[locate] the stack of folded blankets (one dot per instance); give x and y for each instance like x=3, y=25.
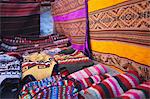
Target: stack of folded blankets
x=10, y=75
x=39, y=65
x=73, y=61
x=94, y=82
x=35, y=43
x=10, y=67
x=102, y=85
x=50, y=88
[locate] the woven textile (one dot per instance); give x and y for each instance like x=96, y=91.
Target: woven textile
x=20, y=18
x=120, y=34
x=10, y=67
x=49, y=88
x=88, y=82
x=87, y=72
x=39, y=65
x=70, y=19
x=141, y=91
x=34, y=43
x=111, y=87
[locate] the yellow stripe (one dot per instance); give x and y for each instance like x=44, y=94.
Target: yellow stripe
x=99, y=4
x=117, y=69
x=137, y=53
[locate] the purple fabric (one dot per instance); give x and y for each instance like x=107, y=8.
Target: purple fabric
x=71, y=16
x=78, y=47
x=74, y=23
x=87, y=49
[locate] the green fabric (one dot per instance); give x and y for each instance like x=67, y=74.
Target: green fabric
x=67, y=51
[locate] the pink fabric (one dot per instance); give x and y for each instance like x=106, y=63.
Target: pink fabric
x=71, y=16
x=136, y=96
x=115, y=86
x=133, y=79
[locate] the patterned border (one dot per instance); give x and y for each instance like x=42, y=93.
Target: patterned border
x=125, y=22
x=122, y=63
x=67, y=6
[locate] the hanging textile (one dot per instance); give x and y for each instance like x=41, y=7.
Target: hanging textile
x=120, y=33
x=70, y=18
x=21, y=18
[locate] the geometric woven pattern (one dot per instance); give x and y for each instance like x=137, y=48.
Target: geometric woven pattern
x=122, y=63
x=70, y=19
x=62, y=7
x=73, y=29
x=128, y=26
x=126, y=22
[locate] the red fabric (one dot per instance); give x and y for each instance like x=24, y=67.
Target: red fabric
x=136, y=74
x=19, y=9
x=109, y=88
x=100, y=90
x=125, y=81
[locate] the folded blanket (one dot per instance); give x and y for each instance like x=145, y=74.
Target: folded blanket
x=54, y=92
x=73, y=65
x=37, y=57
x=34, y=43
x=88, y=82
x=111, y=87
x=49, y=88
x=39, y=70
x=74, y=55
x=67, y=51
x=87, y=72
x=10, y=67
x=141, y=91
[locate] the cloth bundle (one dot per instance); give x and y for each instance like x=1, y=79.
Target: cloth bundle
x=87, y=72
x=35, y=43
x=141, y=91
x=10, y=67
x=72, y=62
x=21, y=18
x=39, y=65
x=112, y=87
x=10, y=75
x=50, y=88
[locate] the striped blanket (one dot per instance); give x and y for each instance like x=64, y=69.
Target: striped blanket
x=49, y=88
x=141, y=91
x=111, y=87
x=87, y=72
x=23, y=44
x=20, y=18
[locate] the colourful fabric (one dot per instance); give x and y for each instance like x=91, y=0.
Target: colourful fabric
x=111, y=87
x=10, y=67
x=119, y=32
x=54, y=92
x=74, y=64
x=141, y=91
x=20, y=18
x=40, y=65
x=87, y=72
x=53, y=88
x=75, y=54
x=70, y=17
x=67, y=51
x=34, y=43
x=39, y=70
x=50, y=81
x=88, y=82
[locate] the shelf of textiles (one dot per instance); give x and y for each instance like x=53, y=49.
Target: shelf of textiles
x=23, y=44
